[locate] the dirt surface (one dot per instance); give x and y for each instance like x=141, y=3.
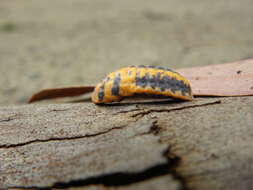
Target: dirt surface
x=57, y=43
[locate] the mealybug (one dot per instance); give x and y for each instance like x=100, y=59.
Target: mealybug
x=147, y=80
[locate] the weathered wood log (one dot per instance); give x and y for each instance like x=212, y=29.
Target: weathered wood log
x=203, y=144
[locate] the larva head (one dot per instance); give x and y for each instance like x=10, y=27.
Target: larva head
x=98, y=94
x=102, y=93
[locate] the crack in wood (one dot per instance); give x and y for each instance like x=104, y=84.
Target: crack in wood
x=154, y=129
x=175, y=162
x=59, y=138
x=6, y=120
x=10, y=118
x=56, y=110
x=169, y=167
x=127, y=111
x=145, y=112
x=117, y=179
x=120, y=179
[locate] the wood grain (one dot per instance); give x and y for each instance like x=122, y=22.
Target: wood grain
x=203, y=144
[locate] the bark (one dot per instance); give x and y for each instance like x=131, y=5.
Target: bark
x=203, y=144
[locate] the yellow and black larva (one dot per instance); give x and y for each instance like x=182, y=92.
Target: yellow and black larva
x=148, y=80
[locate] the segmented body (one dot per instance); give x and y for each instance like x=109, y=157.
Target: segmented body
x=148, y=80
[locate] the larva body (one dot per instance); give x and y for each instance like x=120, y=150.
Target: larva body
x=147, y=80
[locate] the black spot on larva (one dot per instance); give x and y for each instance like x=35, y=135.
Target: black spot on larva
x=141, y=81
x=129, y=72
x=158, y=75
x=116, y=85
x=163, y=83
x=157, y=67
x=160, y=83
x=175, y=85
x=151, y=66
x=161, y=68
x=101, y=92
x=153, y=82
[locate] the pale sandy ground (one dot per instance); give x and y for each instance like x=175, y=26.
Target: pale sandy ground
x=53, y=43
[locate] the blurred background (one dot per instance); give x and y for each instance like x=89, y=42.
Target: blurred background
x=56, y=43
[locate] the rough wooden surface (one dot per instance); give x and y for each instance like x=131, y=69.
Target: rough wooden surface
x=204, y=144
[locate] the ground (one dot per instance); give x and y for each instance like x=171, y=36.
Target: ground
x=60, y=43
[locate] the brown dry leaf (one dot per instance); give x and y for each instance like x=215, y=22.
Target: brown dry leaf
x=230, y=79
x=60, y=92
